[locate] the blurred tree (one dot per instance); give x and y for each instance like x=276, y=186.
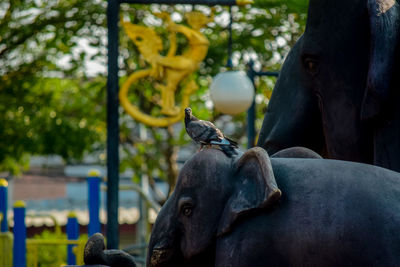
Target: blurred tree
x=47, y=105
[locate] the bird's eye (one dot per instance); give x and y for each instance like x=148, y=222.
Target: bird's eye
x=311, y=65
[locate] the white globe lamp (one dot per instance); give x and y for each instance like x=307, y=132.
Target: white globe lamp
x=232, y=92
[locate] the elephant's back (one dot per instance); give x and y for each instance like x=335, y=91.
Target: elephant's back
x=334, y=178
x=330, y=205
x=345, y=186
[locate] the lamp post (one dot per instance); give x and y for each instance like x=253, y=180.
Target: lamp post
x=232, y=92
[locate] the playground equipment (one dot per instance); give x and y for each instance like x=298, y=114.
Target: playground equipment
x=6, y=238
x=94, y=181
x=18, y=251
x=6, y=245
x=25, y=251
x=75, y=247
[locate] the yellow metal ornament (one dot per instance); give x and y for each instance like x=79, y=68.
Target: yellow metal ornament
x=168, y=71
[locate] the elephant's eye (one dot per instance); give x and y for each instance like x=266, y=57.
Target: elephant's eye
x=185, y=206
x=187, y=210
x=311, y=65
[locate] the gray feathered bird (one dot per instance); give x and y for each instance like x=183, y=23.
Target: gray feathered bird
x=206, y=133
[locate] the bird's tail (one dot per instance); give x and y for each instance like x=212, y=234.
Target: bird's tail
x=233, y=143
x=230, y=151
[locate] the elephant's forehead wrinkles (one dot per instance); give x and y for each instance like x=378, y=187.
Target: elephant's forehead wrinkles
x=198, y=174
x=203, y=167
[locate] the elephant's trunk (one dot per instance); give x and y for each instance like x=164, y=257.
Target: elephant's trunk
x=164, y=241
x=293, y=116
x=161, y=257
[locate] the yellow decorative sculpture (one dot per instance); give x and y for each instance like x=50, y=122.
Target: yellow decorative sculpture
x=168, y=71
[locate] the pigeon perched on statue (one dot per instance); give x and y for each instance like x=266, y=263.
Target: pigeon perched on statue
x=206, y=133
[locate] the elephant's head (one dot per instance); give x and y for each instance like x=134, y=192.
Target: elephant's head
x=213, y=191
x=336, y=85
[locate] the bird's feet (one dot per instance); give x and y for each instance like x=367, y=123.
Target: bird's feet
x=208, y=146
x=201, y=148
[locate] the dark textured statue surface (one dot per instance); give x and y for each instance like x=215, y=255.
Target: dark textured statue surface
x=339, y=89
x=261, y=211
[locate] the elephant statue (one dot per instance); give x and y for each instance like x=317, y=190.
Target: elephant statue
x=254, y=210
x=339, y=88
x=96, y=255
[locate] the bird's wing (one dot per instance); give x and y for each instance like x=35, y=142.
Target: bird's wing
x=213, y=134
x=195, y=130
x=203, y=131
x=219, y=138
x=224, y=142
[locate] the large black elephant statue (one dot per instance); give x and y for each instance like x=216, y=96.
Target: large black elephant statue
x=339, y=89
x=231, y=212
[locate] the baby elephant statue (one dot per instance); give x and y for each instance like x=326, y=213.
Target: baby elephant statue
x=96, y=255
x=230, y=212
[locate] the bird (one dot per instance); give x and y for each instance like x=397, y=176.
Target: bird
x=206, y=133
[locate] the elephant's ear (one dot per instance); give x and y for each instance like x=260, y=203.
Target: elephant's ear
x=255, y=188
x=385, y=35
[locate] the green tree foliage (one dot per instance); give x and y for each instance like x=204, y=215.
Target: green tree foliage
x=47, y=105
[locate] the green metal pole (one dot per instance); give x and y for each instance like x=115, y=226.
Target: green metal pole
x=251, y=113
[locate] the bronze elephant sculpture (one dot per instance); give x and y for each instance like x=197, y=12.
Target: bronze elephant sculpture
x=262, y=211
x=339, y=88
